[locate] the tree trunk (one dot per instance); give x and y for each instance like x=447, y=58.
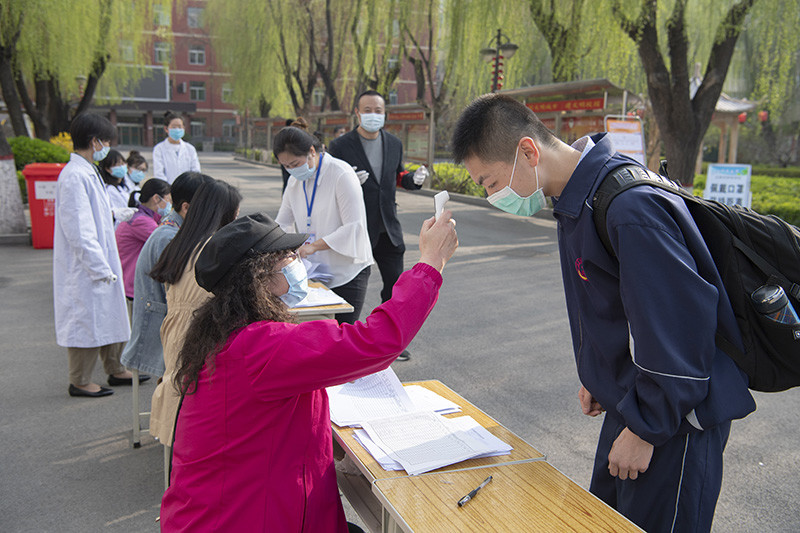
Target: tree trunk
x=10, y=94
x=12, y=217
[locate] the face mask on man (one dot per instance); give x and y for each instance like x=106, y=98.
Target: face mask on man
x=372, y=122
x=297, y=278
x=302, y=172
x=176, y=133
x=99, y=155
x=119, y=171
x=507, y=199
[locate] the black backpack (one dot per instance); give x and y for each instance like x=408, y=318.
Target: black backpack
x=749, y=250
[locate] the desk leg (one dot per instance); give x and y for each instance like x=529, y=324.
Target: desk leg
x=137, y=425
x=388, y=524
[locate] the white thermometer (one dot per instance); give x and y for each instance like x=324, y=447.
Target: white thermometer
x=439, y=200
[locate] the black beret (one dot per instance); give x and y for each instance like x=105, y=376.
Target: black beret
x=244, y=237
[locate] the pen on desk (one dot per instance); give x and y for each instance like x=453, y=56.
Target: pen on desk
x=472, y=493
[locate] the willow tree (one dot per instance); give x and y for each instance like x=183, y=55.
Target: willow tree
x=281, y=50
x=661, y=31
x=53, y=54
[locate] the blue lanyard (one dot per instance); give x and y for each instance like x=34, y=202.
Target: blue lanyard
x=310, y=206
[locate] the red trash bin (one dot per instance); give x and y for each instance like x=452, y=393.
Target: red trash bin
x=41, y=179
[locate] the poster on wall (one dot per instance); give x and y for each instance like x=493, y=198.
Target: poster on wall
x=417, y=143
x=627, y=136
x=729, y=184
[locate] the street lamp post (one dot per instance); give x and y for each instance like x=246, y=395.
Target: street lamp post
x=503, y=49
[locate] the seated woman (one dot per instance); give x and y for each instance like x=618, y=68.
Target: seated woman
x=151, y=203
x=215, y=204
x=323, y=198
x=253, y=448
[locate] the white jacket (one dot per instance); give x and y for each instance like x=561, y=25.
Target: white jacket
x=337, y=216
x=166, y=166
x=89, y=312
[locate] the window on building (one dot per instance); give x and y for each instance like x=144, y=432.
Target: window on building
x=229, y=129
x=126, y=51
x=197, y=91
x=197, y=54
x=161, y=15
x=395, y=28
x=194, y=17
x=393, y=61
x=317, y=95
x=198, y=128
x=227, y=93
x=162, y=53
x=393, y=97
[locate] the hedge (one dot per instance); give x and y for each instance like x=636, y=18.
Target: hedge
x=27, y=150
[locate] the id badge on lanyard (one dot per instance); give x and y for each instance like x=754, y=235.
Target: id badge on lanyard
x=312, y=235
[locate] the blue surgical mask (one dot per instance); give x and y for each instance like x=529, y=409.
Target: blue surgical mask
x=303, y=172
x=297, y=277
x=372, y=122
x=164, y=211
x=507, y=199
x=101, y=154
x=176, y=133
x=137, y=175
x=119, y=171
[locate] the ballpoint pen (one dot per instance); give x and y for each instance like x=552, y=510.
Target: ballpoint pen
x=472, y=493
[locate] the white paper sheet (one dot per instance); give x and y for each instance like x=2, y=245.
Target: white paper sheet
x=375, y=396
x=465, y=423
x=423, y=441
x=318, y=296
x=427, y=400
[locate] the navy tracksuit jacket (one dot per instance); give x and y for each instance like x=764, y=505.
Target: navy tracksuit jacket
x=643, y=334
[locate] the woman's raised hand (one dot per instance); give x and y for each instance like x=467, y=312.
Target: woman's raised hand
x=438, y=240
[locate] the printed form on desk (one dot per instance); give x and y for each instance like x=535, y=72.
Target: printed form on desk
x=403, y=426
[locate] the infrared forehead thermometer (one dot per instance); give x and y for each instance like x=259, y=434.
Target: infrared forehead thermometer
x=439, y=200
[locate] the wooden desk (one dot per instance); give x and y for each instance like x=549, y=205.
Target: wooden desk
x=530, y=497
x=526, y=493
x=320, y=312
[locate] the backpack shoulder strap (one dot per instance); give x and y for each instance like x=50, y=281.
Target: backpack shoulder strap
x=617, y=181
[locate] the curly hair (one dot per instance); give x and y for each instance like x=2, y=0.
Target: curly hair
x=242, y=298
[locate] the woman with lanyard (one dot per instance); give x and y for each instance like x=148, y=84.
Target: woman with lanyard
x=173, y=156
x=323, y=198
x=89, y=299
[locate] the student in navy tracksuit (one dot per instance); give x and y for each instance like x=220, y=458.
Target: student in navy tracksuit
x=643, y=325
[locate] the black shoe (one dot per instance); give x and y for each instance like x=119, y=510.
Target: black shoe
x=405, y=356
x=113, y=381
x=75, y=391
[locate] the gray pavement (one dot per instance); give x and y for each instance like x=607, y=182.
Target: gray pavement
x=498, y=336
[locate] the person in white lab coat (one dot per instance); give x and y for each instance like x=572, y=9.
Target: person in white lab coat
x=173, y=156
x=323, y=198
x=91, y=319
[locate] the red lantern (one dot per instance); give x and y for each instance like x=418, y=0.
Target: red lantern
x=763, y=116
x=742, y=118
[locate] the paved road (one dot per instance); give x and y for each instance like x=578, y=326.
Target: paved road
x=499, y=336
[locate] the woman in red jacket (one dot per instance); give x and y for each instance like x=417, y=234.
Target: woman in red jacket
x=253, y=448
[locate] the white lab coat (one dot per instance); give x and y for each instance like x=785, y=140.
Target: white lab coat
x=167, y=165
x=338, y=216
x=89, y=312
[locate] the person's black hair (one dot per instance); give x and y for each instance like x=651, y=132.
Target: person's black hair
x=169, y=116
x=492, y=125
x=112, y=159
x=151, y=187
x=135, y=159
x=369, y=92
x=295, y=141
x=214, y=205
x=288, y=122
x=185, y=186
x=88, y=126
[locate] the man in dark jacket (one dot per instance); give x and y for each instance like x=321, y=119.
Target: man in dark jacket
x=643, y=325
x=377, y=157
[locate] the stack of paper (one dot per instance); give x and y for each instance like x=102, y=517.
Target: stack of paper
x=403, y=426
x=463, y=423
x=320, y=296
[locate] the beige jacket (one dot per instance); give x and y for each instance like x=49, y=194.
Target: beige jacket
x=183, y=298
